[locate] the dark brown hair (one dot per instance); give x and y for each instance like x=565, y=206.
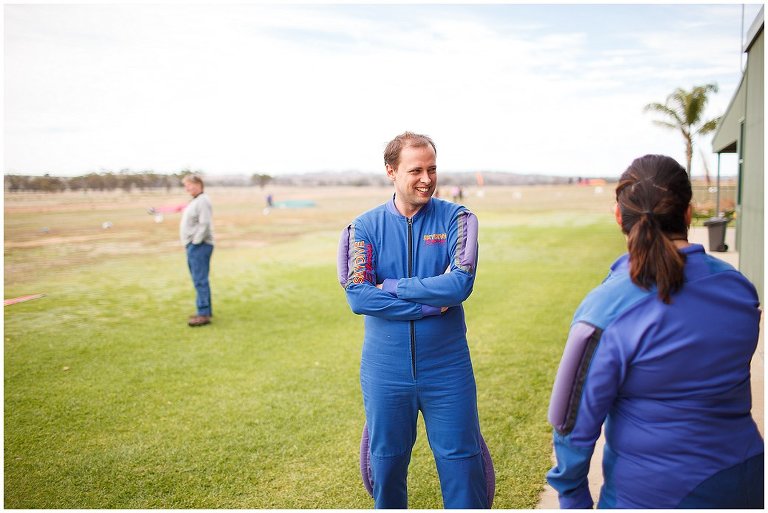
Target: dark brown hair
x=396, y=145
x=653, y=197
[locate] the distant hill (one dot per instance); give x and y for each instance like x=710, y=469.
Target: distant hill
x=127, y=180
x=464, y=178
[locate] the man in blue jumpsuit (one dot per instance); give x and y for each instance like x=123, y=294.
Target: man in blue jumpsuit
x=407, y=266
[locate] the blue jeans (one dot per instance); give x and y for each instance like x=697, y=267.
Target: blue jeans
x=199, y=261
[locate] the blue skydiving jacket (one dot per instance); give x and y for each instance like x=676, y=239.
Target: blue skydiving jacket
x=671, y=382
x=425, y=262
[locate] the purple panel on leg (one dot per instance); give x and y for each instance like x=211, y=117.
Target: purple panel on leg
x=365, y=461
x=490, y=472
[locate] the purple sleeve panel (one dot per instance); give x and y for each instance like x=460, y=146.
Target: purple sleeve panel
x=571, y=375
x=466, y=243
x=342, y=257
x=427, y=310
x=390, y=285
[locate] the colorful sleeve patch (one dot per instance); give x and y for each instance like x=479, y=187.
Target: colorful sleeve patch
x=355, y=259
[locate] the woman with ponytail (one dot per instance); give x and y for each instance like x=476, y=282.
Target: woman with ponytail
x=660, y=355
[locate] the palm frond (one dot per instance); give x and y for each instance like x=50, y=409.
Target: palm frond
x=663, y=109
x=709, y=126
x=683, y=111
x=665, y=124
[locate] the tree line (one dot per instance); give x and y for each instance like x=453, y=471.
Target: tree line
x=110, y=181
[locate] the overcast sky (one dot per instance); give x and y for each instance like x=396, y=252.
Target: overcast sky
x=258, y=88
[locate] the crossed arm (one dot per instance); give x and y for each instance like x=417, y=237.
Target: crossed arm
x=407, y=298
x=392, y=289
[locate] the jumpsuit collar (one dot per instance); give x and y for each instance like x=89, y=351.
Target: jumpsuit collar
x=623, y=260
x=392, y=209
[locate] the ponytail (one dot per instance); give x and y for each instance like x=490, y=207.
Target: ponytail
x=654, y=258
x=653, y=196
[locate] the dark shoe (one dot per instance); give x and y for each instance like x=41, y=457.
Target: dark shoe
x=199, y=320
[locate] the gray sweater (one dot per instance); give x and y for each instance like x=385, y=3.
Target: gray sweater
x=197, y=221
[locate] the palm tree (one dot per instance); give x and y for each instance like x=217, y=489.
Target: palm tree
x=683, y=110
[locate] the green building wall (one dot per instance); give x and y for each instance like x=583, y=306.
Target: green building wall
x=751, y=217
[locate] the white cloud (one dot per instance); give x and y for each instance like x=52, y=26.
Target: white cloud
x=247, y=88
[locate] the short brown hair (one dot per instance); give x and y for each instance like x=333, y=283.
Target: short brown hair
x=396, y=145
x=194, y=179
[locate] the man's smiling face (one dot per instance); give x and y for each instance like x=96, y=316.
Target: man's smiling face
x=415, y=178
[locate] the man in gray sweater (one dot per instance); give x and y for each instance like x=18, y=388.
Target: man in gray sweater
x=196, y=232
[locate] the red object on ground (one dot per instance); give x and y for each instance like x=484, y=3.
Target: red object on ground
x=167, y=209
x=21, y=299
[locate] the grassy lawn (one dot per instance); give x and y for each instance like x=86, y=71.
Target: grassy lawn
x=111, y=401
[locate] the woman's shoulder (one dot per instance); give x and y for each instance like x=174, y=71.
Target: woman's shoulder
x=706, y=271
x=611, y=298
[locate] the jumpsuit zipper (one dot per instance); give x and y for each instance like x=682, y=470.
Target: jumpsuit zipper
x=410, y=273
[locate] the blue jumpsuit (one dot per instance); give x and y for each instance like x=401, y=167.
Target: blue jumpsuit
x=414, y=358
x=671, y=382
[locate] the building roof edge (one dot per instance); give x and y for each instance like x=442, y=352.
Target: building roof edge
x=755, y=29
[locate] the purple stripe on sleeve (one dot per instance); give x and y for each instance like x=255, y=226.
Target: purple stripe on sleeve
x=566, y=392
x=466, y=246
x=342, y=258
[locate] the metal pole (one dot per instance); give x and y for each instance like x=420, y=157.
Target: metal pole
x=741, y=42
x=717, y=202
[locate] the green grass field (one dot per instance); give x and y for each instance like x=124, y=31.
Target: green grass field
x=111, y=401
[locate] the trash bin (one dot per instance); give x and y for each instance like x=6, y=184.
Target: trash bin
x=717, y=226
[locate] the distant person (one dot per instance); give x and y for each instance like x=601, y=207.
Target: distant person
x=270, y=201
x=407, y=266
x=196, y=231
x=660, y=355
